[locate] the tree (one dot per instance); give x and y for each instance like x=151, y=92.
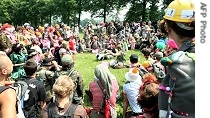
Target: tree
x=67, y=9
x=102, y=8
x=137, y=11
x=154, y=12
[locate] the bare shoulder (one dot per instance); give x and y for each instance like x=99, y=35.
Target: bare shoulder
x=8, y=103
x=8, y=94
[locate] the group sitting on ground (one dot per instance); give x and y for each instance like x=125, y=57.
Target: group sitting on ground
x=38, y=78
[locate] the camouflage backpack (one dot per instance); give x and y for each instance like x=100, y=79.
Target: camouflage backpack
x=78, y=82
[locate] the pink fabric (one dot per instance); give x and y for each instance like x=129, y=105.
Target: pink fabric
x=56, y=44
x=60, y=38
x=98, y=94
x=172, y=44
x=46, y=43
x=96, y=51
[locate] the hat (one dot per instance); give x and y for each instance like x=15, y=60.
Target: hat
x=67, y=59
x=147, y=65
x=158, y=55
x=32, y=52
x=26, y=24
x=62, y=51
x=47, y=62
x=133, y=75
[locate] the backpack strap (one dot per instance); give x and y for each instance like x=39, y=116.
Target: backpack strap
x=105, y=96
x=72, y=109
x=70, y=73
x=3, y=88
x=52, y=111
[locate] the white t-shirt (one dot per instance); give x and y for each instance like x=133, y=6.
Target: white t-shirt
x=131, y=89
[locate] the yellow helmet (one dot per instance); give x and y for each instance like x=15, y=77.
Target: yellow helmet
x=180, y=11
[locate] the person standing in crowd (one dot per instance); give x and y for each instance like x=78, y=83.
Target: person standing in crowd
x=111, y=29
x=35, y=96
x=67, y=63
x=62, y=106
x=18, y=59
x=104, y=81
x=177, y=94
x=48, y=76
x=7, y=94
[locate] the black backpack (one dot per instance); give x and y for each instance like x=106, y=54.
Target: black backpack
x=52, y=113
x=158, y=71
x=142, y=71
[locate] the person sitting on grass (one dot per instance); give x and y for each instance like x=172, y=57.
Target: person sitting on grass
x=130, y=93
x=119, y=62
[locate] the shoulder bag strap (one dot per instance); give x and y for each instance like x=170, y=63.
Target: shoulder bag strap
x=104, y=93
x=71, y=71
x=72, y=109
x=51, y=109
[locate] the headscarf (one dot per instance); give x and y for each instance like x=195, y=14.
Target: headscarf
x=103, y=75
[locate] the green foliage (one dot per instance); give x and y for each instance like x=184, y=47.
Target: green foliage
x=36, y=12
x=102, y=8
x=85, y=63
x=154, y=12
x=39, y=12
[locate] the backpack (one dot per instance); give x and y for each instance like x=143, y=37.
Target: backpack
x=142, y=71
x=23, y=91
x=52, y=113
x=19, y=110
x=158, y=71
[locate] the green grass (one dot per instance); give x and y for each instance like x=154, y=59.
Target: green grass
x=85, y=64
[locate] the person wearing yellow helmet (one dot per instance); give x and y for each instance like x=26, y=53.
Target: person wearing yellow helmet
x=177, y=90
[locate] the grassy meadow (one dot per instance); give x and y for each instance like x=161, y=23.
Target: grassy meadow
x=85, y=64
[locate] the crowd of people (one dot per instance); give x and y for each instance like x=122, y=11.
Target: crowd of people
x=162, y=86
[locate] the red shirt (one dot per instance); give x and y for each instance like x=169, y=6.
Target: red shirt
x=98, y=94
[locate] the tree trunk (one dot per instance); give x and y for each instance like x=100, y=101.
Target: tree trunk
x=104, y=14
x=144, y=3
x=50, y=19
x=79, y=12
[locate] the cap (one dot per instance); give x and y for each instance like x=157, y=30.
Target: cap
x=67, y=59
x=47, y=62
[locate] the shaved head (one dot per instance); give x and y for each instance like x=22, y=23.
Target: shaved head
x=5, y=62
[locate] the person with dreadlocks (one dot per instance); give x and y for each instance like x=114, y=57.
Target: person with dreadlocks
x=148, y=96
